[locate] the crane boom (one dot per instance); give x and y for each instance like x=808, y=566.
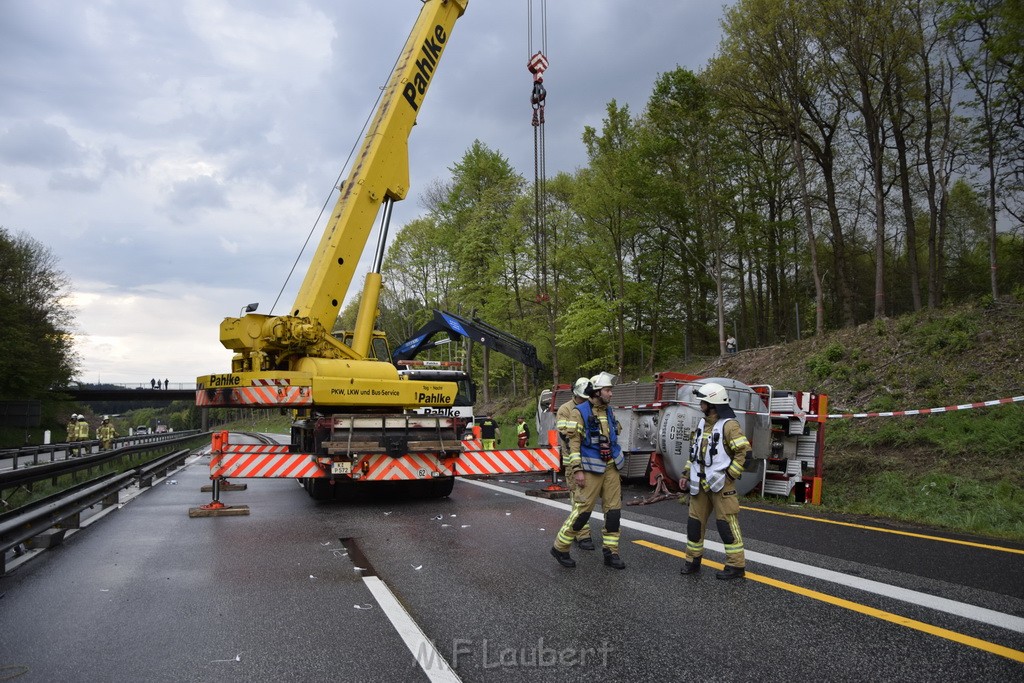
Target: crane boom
x=382, y=168
x=297, y=350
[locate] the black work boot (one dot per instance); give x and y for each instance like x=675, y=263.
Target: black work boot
x=691, y=567
x=585, y=543
x=613, y=560
x=563, y=558
x=730, y=573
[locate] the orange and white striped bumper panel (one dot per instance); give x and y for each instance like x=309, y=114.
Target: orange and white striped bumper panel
x=274, y=461
x=262, y=462
x=285, y=396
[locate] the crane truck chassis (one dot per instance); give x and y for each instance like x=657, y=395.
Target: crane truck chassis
x=355, y=420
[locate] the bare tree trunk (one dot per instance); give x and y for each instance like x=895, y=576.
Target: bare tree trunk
x=819, y=293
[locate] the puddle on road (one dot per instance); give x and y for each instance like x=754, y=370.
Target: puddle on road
x=355, y=554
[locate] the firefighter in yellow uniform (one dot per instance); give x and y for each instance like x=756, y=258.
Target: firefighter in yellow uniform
x=717, y=457
x=72, y=428
x=596, y=461
x=83, y=432
x=106, y=433
x=566, y=427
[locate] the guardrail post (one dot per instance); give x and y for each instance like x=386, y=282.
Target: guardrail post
x=72, y=521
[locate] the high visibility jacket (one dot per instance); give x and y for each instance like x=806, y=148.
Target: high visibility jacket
x=595, y=427
x=83, y=430
x=718, y=450
x=105, y=432
x=72, y=430
x=565, y=423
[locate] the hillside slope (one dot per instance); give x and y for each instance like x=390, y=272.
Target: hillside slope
x=958, y=470
x=924, y=360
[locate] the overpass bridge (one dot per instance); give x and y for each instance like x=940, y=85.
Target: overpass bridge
x=141, y=391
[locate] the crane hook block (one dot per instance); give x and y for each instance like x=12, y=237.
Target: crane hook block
x=537, y=65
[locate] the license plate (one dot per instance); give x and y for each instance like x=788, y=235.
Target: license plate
x=344, y=467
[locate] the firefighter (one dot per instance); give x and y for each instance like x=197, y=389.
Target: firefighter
x=566, y=427
x=522, y=433
x=596, y=460
x=488, y=433
x=717, y=458
x=72, y=428
x=83, y=432
x=106, y=433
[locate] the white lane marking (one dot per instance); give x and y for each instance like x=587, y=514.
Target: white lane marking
x=960, y=609
x=429, y=659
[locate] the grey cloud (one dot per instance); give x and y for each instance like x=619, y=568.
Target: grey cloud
x=187, y=196
x=40, y=145
x=73, y=182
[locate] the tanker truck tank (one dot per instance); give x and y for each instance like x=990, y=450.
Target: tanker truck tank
x=679, y=421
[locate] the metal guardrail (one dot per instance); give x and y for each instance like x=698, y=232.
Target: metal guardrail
x=58, y=513
x=91, y=447
x=24, y=476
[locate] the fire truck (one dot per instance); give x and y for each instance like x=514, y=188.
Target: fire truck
x=658, y=419
x=355, y=423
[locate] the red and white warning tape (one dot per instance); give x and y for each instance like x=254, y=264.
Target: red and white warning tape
x=926, y=411
x=835, y=416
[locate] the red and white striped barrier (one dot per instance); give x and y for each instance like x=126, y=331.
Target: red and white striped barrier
x=268, y=461
x=508, y=461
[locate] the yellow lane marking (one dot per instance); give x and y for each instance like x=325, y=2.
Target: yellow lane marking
x=886, y=531
x=1015, y=655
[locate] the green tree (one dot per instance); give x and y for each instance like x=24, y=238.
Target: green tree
x=767, y=69
x=610, y=206
x=36, y=347
x=988, y=43
x=869, y=43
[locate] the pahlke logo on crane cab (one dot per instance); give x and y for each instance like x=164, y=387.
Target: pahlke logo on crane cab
x=431, y=49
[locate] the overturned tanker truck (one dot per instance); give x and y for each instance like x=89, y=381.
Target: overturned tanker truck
x=786, y=430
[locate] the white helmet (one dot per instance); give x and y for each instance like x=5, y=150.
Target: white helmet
x=712, y=393
x=605, y=379
x=74, y=416
x=582, y=388
x=106, y=418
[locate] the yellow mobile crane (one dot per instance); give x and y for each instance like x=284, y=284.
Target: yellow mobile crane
x=354, y=412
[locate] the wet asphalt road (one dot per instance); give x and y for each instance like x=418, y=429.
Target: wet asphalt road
x=146, y=593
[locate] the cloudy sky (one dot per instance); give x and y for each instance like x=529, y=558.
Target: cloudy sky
x=174, y=156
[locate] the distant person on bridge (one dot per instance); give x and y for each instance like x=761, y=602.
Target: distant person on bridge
x=106, y=433
x=167, y=383
x=488, y=433
x=717, y=458
x=596, y=460
x=152, y=383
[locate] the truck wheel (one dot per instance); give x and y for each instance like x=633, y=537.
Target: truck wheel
x=443, y=487
x=433, y=488
x=319, y=489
